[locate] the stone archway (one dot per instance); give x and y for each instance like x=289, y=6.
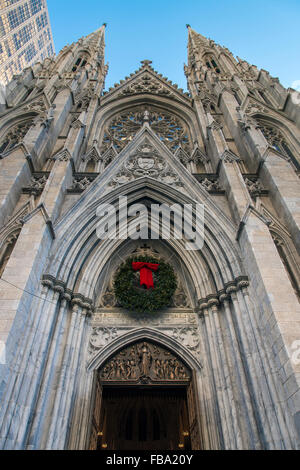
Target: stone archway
x=145, y=399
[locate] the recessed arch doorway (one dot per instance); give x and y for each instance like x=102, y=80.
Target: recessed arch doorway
x=145, y=399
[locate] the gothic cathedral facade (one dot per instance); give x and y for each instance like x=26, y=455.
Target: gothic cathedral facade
x=219, y=368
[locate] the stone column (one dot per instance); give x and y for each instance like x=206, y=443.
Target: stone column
x=27, y=382
x=65, y=389
x=43, y=407
x=279, y=306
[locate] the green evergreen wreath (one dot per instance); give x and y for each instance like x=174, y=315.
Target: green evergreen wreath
x=133, y=297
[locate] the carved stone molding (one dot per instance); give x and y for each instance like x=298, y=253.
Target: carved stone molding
x=38, y=183
x=253, y=107
x=57, y=285
x=211, y=185
x=121, y=129
x=146, y=84
x=146, y=162
x=229, y=157
x=214, y=299
x=254, y=186
x=14, y=136
x=186, y=335
x=63, y=156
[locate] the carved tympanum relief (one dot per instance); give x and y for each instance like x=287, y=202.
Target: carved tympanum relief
x=144, y=362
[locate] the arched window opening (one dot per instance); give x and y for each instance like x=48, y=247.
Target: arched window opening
x=288, y=264
x=107, y=162
x=90, y=167
x=6, y=251
x=212, y=64
x=80, y=63
x=171, y=130
x=236, y=95
x=264, y=97
x=276, y=139
x=28, y=93
x=200, y=167
x=15, y=135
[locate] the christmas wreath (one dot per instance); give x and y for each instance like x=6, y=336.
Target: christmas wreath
x=144, y=284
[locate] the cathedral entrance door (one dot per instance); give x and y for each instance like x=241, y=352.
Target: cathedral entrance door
x=145, y=400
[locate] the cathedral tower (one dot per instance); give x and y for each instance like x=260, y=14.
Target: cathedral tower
x=218, y=367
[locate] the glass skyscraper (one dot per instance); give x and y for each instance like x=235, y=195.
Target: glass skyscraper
x=25, y=36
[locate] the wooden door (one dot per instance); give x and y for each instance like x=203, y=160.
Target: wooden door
x=194, y=414
x=96, y=417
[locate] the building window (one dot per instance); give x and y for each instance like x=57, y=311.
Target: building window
x=2, y=29
x=7, y=250
x=42, y=21
x=15, y=135
x=23, y=36
x=287, y=262
x=212, y=64
x=81, y=62
x=169, y=128
x=35, y=6
x=276, y=139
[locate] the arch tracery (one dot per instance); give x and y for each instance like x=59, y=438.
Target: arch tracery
x=120, y=130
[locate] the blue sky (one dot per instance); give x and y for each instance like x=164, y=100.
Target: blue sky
x=263, y=32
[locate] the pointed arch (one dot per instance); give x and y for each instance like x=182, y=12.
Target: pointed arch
x=280, y=135
x=14, y=131
x=144, y=334
x=80, y=257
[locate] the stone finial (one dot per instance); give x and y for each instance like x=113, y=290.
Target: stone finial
x=145, y=63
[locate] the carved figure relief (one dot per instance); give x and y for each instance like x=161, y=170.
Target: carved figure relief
x=144, y=362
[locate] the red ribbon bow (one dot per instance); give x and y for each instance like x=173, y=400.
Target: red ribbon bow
x=146, y=278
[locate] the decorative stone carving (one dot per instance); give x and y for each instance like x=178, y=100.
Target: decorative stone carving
x=144, y=362
x=180, y=298
x=108, y=299
x=146, y=84
x=246, y=122
x=37, y=105
x=93, y=156
x=253, y=108
x=38, y=182
x=81, y=182
x=63, y=156
x=229, y=157
x=170, y=129
x=188, y=337
x=277, y=140
x=215, y=126
x=254, y=186
x=109, y=156
x=211, y=185
x=15, y=135
x=100, y=337
x=146, y=161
